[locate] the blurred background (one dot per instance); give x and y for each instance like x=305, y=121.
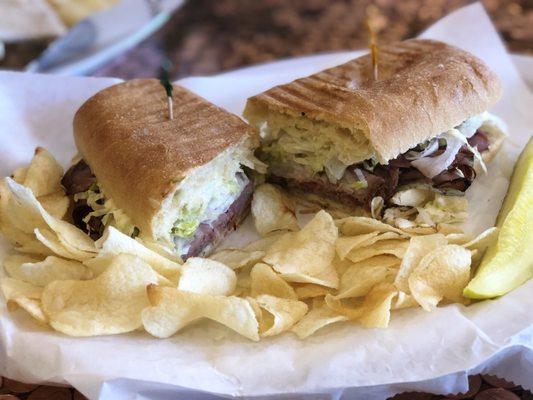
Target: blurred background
x=131, y=38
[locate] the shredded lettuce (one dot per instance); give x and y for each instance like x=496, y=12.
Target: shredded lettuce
x=187, y=223
x=106, y=208
x=313, y=145
x=185, y=229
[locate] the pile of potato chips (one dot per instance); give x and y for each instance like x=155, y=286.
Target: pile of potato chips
x=351, y=269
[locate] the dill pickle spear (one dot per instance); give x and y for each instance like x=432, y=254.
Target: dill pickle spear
x=508, y=262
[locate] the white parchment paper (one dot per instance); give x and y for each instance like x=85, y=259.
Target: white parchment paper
x=420, y=351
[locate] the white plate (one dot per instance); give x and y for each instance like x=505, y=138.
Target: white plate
x=103, y=36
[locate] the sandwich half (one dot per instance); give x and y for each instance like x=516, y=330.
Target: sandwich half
x=345, y=136
x=182, y=183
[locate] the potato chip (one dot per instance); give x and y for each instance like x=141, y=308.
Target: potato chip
x=259, y=315
x=264, y=281
x=352, y=226
x=373, y=311
x=285, y=312
x=34, y=247
x=43, y=176
x=99, y=264
x=420, y=230
x=399, y=216
x=337, y=306
x=174, y=309
x=359, y=279
x=396, y=247
x=19, y=294
x=306, y=256
x=447, y=229
x=377, y=306
x=204, y=276
x=309, y=290
x=41, y=273
x=20, y=259
x=403, y=300
x=483, y=240
x=8, y=224
x=458, y=238
x=316, y=302
x=9, y=231
x=110, y=304
x=56, y=204
x=33, y=216
x=419, y=246
x=376, y=207
x=31, y=306
x=14, y=212
x=272, y=210
x=441, y=274
x=413, y=197
x=236, y=258
x=52, y=242
x=341, y=265
x=13, y=288
x=160, y=249
x=265, y=243
x=115, y=242
x=244, y=282
x=19, y=174
x=346, y=244
x=316, y=319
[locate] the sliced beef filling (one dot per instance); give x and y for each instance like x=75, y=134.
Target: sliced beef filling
x=384, y=180
x=78, y=179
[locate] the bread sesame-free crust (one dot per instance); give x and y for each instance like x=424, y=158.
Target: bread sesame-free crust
x=137, y=154
x=424, y=88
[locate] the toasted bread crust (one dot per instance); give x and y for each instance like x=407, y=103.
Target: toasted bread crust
x=138, y=155
x=425, y=87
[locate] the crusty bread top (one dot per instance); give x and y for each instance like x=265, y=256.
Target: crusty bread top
x=424, y=88
x=138, y=154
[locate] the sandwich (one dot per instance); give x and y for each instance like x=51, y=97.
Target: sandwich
x=345, y=136
x=182, y=183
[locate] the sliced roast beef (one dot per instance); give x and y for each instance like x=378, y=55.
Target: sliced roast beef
x=384, y=180
x=78, y=178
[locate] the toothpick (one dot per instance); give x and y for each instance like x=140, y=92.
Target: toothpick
x=170, y=105
x=164, y=79
x=372, y=43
